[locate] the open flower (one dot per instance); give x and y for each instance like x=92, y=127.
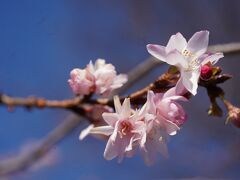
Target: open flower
x=123, y=128
x=188, y=56
x=99, y=78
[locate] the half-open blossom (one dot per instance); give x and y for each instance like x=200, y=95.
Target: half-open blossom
x=188, y=56
x=123, y=128
x=100, y=78
x=162, y=116
x=169, y=113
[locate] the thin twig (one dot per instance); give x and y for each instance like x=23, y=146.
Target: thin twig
x=39, y=102
x=18, y=163
x=134, y=75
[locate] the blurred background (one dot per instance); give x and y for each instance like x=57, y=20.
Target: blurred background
x=41, y=41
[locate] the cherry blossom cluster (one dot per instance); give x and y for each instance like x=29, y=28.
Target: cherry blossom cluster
x=148, y=128
x=99, y=78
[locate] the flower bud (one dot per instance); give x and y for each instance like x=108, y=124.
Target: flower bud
x=206, y=72
x=233, y=114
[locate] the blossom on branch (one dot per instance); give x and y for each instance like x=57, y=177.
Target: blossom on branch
x=163, y=117
x=146, y=129
x=99, y=78
x=189, y=57
x=123, y=128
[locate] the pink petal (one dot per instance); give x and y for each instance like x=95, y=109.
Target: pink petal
x=213, y=59
x=85, y=132
x=177, y=42
x=111, y=150
x=117, y=104
x=104, y=130
x=150, y=101
x=180, y=88
x=175, y=58
x=171, y=128
x=198, y=43
x=115, y=132
x=171, y=94
x=157, y=51
x=190, y=81
x=110, y=118
x=126, y=108
x=119, y=81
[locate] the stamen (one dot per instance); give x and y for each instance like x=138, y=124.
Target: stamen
x=194, y=64
x=125, y=128
x=186, y=53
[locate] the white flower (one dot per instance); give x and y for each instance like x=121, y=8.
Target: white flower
x=187, y=56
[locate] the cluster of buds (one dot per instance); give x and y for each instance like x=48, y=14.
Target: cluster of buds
x=147, y=128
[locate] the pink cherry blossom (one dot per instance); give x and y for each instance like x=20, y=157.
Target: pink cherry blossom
x=81, y=82
x=99, y=78
x=123, y=128
x=169, y=114
x=187, y=56
x=106, y=78
x=162, y=116
x=146, y=129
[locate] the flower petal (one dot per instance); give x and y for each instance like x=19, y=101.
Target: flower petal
x=171, y=94
x=110, y=118
x=213, y=59
x=171, y=128
x=198, y=43
x=104, y=130
x=111, y=150
x=157, y=51
x=85, y=132
x=177, y=42
x=175, y=58
x=180, y=88
x=119, y=81
x=126, y=108
x=190, y=80
x=117, y=104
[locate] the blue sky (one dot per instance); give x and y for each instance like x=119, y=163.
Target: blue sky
x=41, y=41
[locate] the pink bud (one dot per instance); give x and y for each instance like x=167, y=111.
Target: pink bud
x=206, y=72
x=99, y=78
x=81, y=82
x=234, y=115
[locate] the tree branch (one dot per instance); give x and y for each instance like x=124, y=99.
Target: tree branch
x=20, y=162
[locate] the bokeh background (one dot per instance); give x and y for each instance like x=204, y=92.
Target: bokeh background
x=41, y=41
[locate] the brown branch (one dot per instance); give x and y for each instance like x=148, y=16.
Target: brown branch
x=134, y=75
x=18, y=163
x=36, y=102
